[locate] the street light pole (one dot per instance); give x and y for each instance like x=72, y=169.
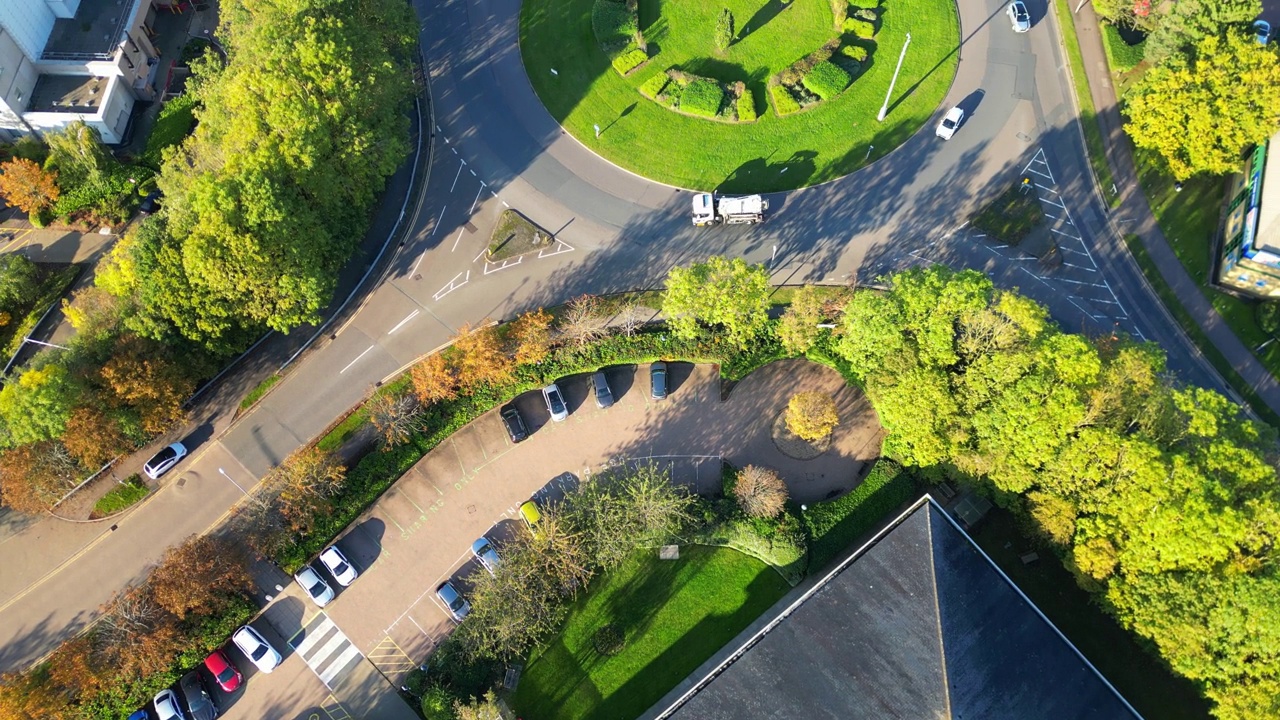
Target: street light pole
x=233, y=482
x=884, y=109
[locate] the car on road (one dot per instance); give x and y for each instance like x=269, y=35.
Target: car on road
x=483, y=550
x=1019, y=16
x=1262, y=31
x=226, y=674
x=452, y=599
x=514, y=423
x=167, y=707
x=316, y=587
x=658, y=380
x=140, y=715
x=530, y=514
x=555, y=402
x=163, y=461
x=950, y=123
x=199, y=705
x=604, y=396
x=338, y=566
x=256, y=648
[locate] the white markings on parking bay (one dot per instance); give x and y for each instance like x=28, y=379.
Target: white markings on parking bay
x=453, y=284
x=1039, y=165
x=473, y=202
x=561, y=247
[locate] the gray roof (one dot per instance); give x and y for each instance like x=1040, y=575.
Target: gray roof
x=919, y=625
x=94, y=33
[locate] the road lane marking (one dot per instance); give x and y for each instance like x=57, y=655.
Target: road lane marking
x=561, y=247
x=505, y=264
x=458, y=175
x=400, y=324
x=353, y=362
x=457, y=239
x=473, y=202
x=452, y=285
x=440, y=219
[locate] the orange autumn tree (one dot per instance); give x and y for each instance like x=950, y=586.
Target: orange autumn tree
x=27, y=186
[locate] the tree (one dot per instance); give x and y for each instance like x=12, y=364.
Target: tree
x=760, y=492
x=93, y=312
x=530, y=337
x=79, y=156
x=19, y=281
x=583, y=320
x=434, y=379
x=485, y=708
x=1178, y=26
x=1199, y=111
x=136, y=636
x=727, y=293
x=37, y=405
x=27, y=187
x=798, y=328
x=630, y=317
x=480, y=357
x=395, y=417
x=141, y=375
x=724, y=30
x=616, y=511
x=812, y=415
x=305, y=483
x=33, y=477
x=93, y=437
x=202, y=576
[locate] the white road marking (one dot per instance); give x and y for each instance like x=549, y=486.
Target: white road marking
x=473, y=172
x=400, y=324
x=505, y=264
x=455, y=240
x=561, y=247
x=440, y=219
x=473, y=202
x=414, y=271
x=353, y=362
x=482, y=252
x=452, y=285
x=458, y=175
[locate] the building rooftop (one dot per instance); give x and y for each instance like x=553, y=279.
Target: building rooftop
x=920, y=624
x=1268, y=232
x=68, y=93
x=93, y=34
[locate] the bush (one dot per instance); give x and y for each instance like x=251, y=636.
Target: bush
x=812, y=415
x=854, y=52
x=1268, y=314
x=746, y=106
x=614, y=25
x=121, y=496
x=653, y=87
x=724, y=30
x=702, y=97
x=437, y=704
x=839, y=11
x=833, y=525
x=176, y=121
x=607, y=640
x=783, y=102
x=870, y=4
x=759, y=492
x=860, y=28
x=630, y=60
x=826, y=80
x=1122, y=55
x=866, y=14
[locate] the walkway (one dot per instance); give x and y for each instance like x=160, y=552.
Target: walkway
x=1134, y=206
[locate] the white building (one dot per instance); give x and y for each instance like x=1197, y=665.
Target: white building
x=67, y=60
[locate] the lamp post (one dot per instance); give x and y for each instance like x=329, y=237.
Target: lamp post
x=242, y=490
x=884, y=109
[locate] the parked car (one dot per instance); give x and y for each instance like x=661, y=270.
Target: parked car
x=483, y=550
x=950, y=123
x=163, y=461
x=458, y=607
x=1019, y=16
x=256, y=648
x=604, y=396
x=530, y=514
x=315, y=585
x=515, y=424
x=658, y=380
x=199, y=705
x=226, y=674
x=1262, y=31
x=338, y=566
x=167, y=707
x=140, y=715
x=555, y=402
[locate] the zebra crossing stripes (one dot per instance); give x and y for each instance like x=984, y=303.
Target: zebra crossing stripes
x=325, y=649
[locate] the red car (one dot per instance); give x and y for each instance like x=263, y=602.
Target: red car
x=224, y=672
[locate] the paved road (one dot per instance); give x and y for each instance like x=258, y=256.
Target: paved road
x=496, y=147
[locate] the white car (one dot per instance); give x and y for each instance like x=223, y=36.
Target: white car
x=457, y=606
x=555, y=402
x=1019, y=17
x=483, y=551
x=338, y=566
x=163, y=461
x=256, y=648
x=950, y=123
x=167, y=707
x=316, y=587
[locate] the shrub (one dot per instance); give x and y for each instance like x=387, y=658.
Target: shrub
x=855, y=52
x=1123, y=56
x=176, y=121
x=630, y=60
x=724, y=30
x=871, y=4
x=746, y=106
x=607, y=640
x=839, y=11
x=833, y=525
x=860, y=28
x=653, y=87
x=702, y=97
x=613, y=23
x=1269, y=317
x=437, y=704
x=759, y=492
x=783, y=102
x=812, y=415
x=826, y=80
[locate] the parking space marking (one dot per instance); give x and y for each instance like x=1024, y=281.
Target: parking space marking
x=334, y=709
x=390, y=658
x=325, y=649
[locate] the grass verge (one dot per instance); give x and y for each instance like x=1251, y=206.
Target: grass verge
x=53, y=285
x=672, y=615
x=257, y=393
x=123, y=495
x=1088, y=112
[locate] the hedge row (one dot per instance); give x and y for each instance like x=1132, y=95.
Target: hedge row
x=826, y=80
x=628, y=61
x=859, y=28
x=615, y=25
x=783, y=102
x=835, y=524
x=702, y=96
x=654, y=86
x=746, y=107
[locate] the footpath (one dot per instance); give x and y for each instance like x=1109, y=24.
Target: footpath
x=1135, y=208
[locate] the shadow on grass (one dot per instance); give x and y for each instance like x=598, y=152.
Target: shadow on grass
x=762, y=17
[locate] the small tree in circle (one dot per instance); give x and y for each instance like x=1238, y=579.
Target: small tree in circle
x=760, y=492
x=812, y=415
x=724, y=30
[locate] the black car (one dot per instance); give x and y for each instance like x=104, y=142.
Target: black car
x=199, y=705
x=604, y=396
x=658, y=380
x=515, y=424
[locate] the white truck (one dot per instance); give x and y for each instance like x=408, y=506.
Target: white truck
x=711, y=210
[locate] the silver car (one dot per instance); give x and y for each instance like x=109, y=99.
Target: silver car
x=483, y=551
x=555, y=402
x=1019, y=17
x=338, y=566
x=256, y=648
x=316, y=587
x=453, y=600
x=167, y=707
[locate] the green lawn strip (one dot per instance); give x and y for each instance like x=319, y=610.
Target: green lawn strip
x=121, y=496
x=257, y=393
x=673, y=616
x=344, y=430
x=820, y=144
x=1011, y=216
x=1088, y=112
x=1140, y=676
x=1197, y=335
x=57, y=278
x=834, y=525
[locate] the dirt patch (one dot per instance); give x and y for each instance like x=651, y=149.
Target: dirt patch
x=515, y=235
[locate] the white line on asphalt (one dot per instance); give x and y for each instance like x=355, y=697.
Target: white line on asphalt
x=455, y=240
x=482, y=252
x=566, y=248
x=505, y=264
x=452, y=285
x=457, y=175
x=1064, y=262
x=314, y=635
x=1109, y=302
x=415, y=265
x=473, y=202
x=1047, y=201
x=339, y=665
x=1055, y=217
x=436, y=227
x=1046, y=189
x=400, y=324
x=504, y=203
x=473, y=172
x=430, y=591
x=1036, y=277
x=1081, y=282
x=415, y=624
x=353, y=362
x=455, y=150
x=1086, y=312
x=1065, y=234
x=493, y=193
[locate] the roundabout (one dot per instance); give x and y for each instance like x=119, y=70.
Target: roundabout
x=575, y=80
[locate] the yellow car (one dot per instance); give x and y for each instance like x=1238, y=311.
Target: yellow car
x=529, y=513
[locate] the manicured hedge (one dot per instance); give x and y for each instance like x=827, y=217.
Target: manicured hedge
x=746, y=106
x=702, y=97
x=833, y=526
x=783, y=102
x=630, y=60
x=856, y=52
x=860, y=28
x=865, y=3
x=615, y=26
x=652, y=87
x=826, y=80
x=1123, y=55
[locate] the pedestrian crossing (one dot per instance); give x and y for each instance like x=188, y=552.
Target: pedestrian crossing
x=325, y=649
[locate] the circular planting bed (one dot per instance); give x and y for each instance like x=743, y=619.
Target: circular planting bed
x=791, y=101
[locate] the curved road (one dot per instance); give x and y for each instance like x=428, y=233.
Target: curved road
x=495, y=146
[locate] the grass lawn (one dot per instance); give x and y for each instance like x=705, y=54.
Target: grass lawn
x=1010, y=217
x=673, y=615
x=813, y=146
x=1140, y=676
x=121, y=496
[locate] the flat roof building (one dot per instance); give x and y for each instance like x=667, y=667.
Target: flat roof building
x=1249, y=262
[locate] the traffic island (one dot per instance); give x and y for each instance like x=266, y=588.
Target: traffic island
x=515, y=235
x=1012, y=216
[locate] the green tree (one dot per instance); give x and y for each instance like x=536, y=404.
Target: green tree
x=724, y=30
x=1200, y=110
x=798, y=327
x=78, y=154
x=1176, y=27
x=36, y=406
x=19, y=281
x=729, y=294
x=614, y=512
